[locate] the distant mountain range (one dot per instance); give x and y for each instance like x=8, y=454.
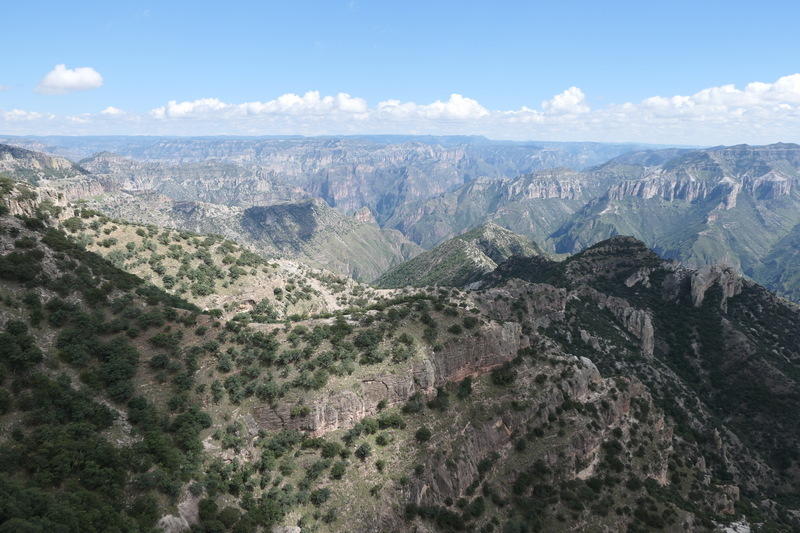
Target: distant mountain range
x=380, y=172
x=738, y=205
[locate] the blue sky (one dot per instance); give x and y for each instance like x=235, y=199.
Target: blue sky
x=503, y=56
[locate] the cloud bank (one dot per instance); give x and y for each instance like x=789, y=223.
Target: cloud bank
x=756, y=113
x=62, y=80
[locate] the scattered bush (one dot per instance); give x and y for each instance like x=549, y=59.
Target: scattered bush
x=363, y=451
x=423, y=434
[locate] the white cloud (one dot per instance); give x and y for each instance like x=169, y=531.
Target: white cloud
x=727, y=99
x=456, y=107
x=85, y=118
x=570, y=101
x=758, y=112
x=310, y=104
x=112, y=111
x=4, y=88
x=18, y=115
x=62, y=80
x=202, y=106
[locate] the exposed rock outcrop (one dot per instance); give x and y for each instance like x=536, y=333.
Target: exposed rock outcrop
x=31, y=166
x=28, y=202
x=704, y=278
x=494, y=345
x=490, y=347
x=638, y=322
x=477, y=441
x=188, y=515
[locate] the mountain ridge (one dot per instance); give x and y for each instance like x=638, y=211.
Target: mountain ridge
x=460, y=260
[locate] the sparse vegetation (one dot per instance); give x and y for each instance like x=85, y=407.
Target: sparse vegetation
x=120, y=396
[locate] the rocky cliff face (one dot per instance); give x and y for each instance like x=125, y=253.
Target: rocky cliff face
x=29, y=202
x=666, y=189
x=726, y=205
x=533, y=205
x=664, y=184
x=695, y=327
x=48, y=171
x=560, y=184
x=442, y=481
x=30, y=166
x=213, y=181
x=579, y=459
x=729, y=283
x=493, y=345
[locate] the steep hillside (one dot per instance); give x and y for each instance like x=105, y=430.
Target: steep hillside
x=207, y=270
x=309, y=231
x=210, y=271
x=42, y=169
x=32, y=167
x=718, y=353
x=780, y=269
x=460, y=260
x=88, y=443
x=361, y=250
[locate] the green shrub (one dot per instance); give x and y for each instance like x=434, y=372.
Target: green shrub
x=503, y=375
x=391, y=420
x=464, y=388
x=414, y=404
x=363, y=451
x=423, y=434
x=330, y=449
x=442, y=400
x=229, y=516
x=470, y=322
x=338, y=469
x=320, y=496
x=207, y=509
